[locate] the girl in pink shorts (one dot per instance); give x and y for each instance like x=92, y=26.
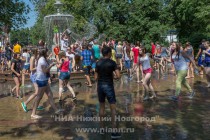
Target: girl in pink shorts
x=144, y=62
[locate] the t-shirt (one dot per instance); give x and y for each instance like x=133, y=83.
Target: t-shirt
x=96, y=51
x=17, y=66
x=119, y=49
x=17, y=48
x=64, y=44
x=70, y=56
x=145, y=62
x=105, y=68
x=27, y=57
x=41, y=76
x=113, y=55
x=179, y=62
x=8, y=52
x=86, y=54
x=126, y=52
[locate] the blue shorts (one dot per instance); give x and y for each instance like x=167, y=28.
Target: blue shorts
x=26, y=67
x=200, y=61
x=206, y=64
x=119, y=56
x=33, y=78
x=127, y=64
x=42, y=83
x=64, y=75
x=106, y=91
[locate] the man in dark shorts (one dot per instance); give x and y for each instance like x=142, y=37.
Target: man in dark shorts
x=86, y=58
x=104, y=75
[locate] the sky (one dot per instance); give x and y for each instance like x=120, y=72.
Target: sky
x=32, y=15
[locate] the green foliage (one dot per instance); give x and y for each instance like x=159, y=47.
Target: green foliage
x=132, y=20
x=13, y=13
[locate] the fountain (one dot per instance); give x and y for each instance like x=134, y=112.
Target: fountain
x=59, y=23
x=55, y=25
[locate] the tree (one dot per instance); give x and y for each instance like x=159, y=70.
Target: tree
x=13, y=13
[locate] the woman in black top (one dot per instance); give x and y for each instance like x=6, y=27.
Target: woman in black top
x=16, y=75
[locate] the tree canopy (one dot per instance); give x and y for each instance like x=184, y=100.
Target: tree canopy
x=13, y=14
x=147, y=20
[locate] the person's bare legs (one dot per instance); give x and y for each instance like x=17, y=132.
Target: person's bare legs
x=192, y=70
x=17, y=87
x=113, y=115
x=32, y=95
x=145, y=84
x=137, y=74
x=207, y=70
x=121, y=64
x=23, y=77
x=70, y=88
x=60, y=89
x=188, y=71
x=38, y=98
x=50, y=98
x=101, y=114
x=88, y=79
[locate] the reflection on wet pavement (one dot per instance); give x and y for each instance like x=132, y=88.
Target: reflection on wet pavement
x=185, y=120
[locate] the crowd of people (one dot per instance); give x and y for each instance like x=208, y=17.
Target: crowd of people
x=134, y=58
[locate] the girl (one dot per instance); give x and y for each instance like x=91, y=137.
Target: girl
x=16, y=75
x=63, y=64
x=207, y=62
x=178, y=58
x=144, y=61
x=33, y=63
x=135, y=60
x=119, y=51
x=43, y=72
x=190, y=52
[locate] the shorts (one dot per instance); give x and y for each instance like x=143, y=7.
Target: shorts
x=8, y=57
x=87, y=69
x=106, y=91
x=200, y=61
x=42, y=83
x=187, y=60
x=33, y=78
x=149, y=70
x=64, y=76
x=127, y=64
x=26, y=67
x=206, y=64
x=119, y=56
x=93, y=65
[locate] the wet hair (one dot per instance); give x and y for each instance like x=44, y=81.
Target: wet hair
x=203, y=40
x=177, y=49
x=43, y=53
x=34, y=51
x=106, y=50
x=24, y=49
x=7, y=43
x=207, y=42
x=138, y=43
x=62, y=54
x=143, y=50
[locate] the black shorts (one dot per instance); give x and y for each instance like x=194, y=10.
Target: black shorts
x=87, y=69
x=106, y=91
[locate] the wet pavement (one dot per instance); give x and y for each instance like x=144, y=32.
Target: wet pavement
x=159, y=119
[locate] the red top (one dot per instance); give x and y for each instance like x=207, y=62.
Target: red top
x=65, y=66
x=153, y=49
x=136, y=54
